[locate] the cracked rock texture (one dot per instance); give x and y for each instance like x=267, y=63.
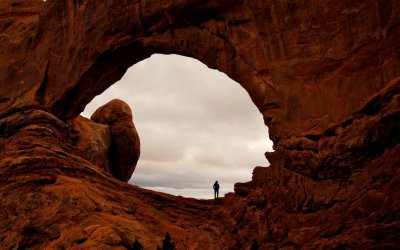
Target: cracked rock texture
x=324, y=74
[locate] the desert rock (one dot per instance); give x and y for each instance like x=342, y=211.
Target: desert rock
x=324, y=75
x=124, y=150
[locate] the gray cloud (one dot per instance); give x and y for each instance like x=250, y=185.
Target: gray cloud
x=196, y=126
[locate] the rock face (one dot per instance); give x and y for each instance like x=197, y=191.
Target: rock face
x=324, y=74
x=124, y=150
x=93, y=140
x=356, y=206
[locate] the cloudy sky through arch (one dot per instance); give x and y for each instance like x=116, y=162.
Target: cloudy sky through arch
x=196, y=126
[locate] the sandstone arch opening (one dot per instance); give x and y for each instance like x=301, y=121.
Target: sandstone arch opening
x=196, y=125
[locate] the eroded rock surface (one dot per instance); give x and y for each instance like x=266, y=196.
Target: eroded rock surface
x=93, y=140
x=124, y=150
x=109, y=139
x=322, y=73
x=356, y=207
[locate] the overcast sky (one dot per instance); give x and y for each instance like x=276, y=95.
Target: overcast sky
x=195, y=124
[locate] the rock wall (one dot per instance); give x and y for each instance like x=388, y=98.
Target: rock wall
x=356, y=206
x=322, y=73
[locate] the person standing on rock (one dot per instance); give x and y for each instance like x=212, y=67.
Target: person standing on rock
x=216, y=189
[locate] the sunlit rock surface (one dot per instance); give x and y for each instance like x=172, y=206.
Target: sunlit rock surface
x=322, y=73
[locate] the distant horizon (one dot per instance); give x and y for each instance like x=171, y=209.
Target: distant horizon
x=201, y=194
x=196, y=126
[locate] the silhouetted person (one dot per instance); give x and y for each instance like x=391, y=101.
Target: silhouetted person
x=216, y=189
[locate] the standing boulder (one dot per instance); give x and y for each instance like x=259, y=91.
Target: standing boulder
x=124, y=150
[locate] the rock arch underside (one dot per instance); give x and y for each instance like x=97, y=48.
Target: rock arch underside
x=324, y=75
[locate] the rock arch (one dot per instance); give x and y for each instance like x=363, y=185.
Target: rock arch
x=323, y=74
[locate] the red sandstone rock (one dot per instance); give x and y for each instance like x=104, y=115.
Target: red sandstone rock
x=124, y=150
x=345, y=211
x=94, y=141
x=320, y=72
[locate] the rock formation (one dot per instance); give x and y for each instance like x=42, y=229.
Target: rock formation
x=324, y=74
x=124, y=150
x=93, y=140
x=355, y=206
x=109, y=140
